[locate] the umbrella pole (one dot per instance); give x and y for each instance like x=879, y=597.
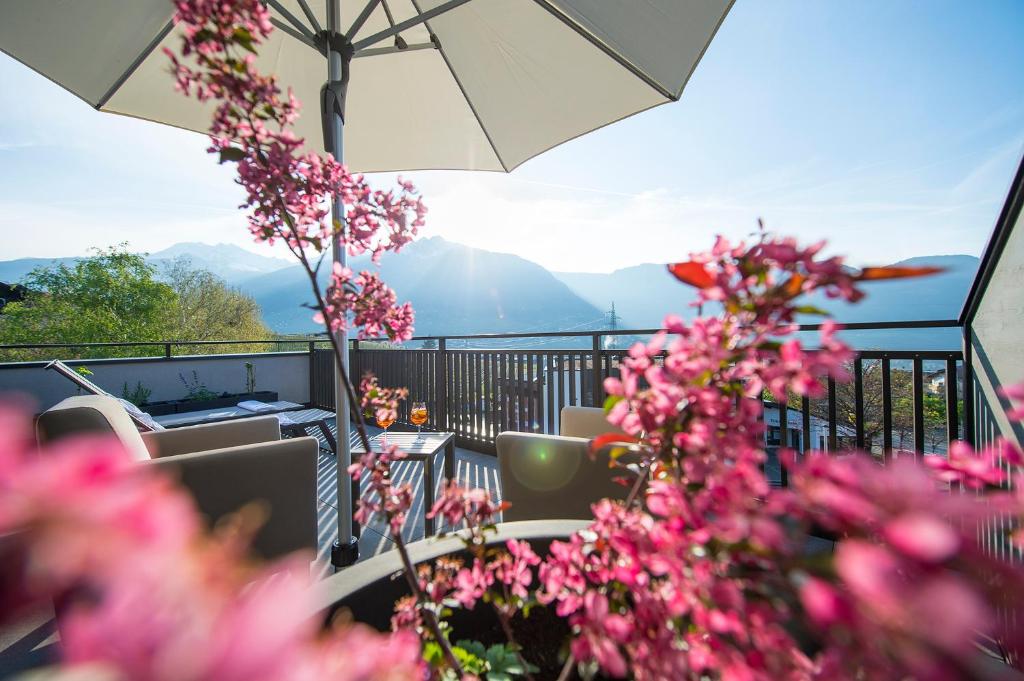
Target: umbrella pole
x=345, y=551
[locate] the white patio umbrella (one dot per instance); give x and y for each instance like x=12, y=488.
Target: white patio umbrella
x=431, y=84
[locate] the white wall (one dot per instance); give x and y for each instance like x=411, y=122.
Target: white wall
x=286, y=373
x=997, y=335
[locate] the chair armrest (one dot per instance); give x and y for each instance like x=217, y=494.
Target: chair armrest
x=206, y=436
x=584, y=422
x=548, y=477
x=280, y=474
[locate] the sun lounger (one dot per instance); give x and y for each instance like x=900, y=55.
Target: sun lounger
x=141, y=419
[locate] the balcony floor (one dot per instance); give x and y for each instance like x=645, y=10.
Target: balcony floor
x=473, y=468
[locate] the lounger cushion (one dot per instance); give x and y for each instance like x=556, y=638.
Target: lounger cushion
x=140, y=416
x=92, y=414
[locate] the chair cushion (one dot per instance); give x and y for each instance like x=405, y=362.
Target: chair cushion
x=140, y=415
x=93, y=414
x=584, y=422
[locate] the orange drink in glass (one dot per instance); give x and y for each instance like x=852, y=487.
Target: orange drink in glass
x=418, y=415
x=385, y=421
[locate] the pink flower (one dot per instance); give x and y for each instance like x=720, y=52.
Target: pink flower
x=1014, y=393
x=457, y=503
x=472, y=583
x=514, y=569
x=923, y=537
x=823, y=603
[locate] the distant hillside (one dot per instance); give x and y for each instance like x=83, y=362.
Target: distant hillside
x=644, y=294
x=13, y=271
x=231, y=263
x=454, y=289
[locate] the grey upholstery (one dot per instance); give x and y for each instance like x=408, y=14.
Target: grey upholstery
x=223, y=465
x=584, y=422
x=280, y=476
x=92, y=414
x=547, y=477
x=175, y=441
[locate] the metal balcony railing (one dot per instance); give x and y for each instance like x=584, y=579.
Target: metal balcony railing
x=898, y=400
x=480, y=385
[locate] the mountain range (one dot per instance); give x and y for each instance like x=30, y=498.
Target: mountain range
x=456, y=289
x=644, y=294
x=231, y=263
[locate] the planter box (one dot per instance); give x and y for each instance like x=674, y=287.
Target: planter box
x=368, y=591
x=166, y=407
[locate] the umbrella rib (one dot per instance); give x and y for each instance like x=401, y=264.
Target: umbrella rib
x=311, y=17
x=135, y=64
x=408, y=23
x=280, y=25
x=373, y=51
x=292, y=19
x=607, y=49
x=465, y=95
x=361, y=19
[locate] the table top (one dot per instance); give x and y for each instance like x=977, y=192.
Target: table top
x=410, y=443
x=223, y=414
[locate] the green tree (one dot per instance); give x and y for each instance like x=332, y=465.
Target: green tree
x=208, y=309
x=111, y=296
x=116, y=296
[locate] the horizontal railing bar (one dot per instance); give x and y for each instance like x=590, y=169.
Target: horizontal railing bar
x=911, y=354
x=127, y=344
x=865, y=354
x=98, y=361
x=853, y=326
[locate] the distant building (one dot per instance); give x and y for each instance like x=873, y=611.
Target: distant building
x=935, y=381
x=11, y=293
x=845, y=436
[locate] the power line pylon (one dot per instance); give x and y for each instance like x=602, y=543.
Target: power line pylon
x=613, y=324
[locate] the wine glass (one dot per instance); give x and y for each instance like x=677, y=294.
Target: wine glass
x=384, y=420
x=418, y=416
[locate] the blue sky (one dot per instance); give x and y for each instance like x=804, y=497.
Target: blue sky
x=890, y=128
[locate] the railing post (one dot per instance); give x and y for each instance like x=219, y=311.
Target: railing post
x=441, y=383
x=312, y=374
x=355, y=362
x=858, y=399
x=783, y=438
x=833, y=430
x=952, y=417
x=918, y=378
x=969, y=417
x=596, y=388
x=167, y=350
x=886, y=409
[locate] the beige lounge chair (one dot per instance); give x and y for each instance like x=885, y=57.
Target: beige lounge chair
x=223, y=465
x=547, y=477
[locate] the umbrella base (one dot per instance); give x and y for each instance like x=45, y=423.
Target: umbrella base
x=344, y=555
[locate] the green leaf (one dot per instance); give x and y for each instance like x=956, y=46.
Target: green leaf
x=432, y=654
x=611, y=401
x=471, y=656
x=244, y=38
x=810, y=309
x=231, y=154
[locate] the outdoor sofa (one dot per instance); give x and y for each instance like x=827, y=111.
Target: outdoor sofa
x=223, y=465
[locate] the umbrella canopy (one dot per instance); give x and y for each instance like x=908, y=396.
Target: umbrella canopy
x=421, y=84
x=479, y=85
